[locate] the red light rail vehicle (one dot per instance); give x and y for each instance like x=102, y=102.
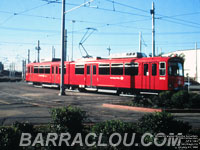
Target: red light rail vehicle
x=126, y=72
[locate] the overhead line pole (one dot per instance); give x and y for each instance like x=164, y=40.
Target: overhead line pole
x=53, y=52
x=152, y=11
x=109, y=49
x=73, y=21
x=28, y=56
x=65, y=46
x=196, y=62
x=38, y=49
x=140, y=42
x=62, y=88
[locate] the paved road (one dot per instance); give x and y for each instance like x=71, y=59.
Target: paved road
x=23, y=102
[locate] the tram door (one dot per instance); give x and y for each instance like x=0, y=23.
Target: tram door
x=30, y=72
x=153, y=74
x=146, y=76
x=91, y=77
x=53, y=75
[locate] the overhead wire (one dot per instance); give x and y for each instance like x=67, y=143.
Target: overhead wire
x=113, y=44
x=185, y=22
x=97, y=33
x=105, y=9
x=27, y=10
x=81, y=21
x=176, y=22
x=49, y=2
x=162, y=16
x=185, y=14
x=10, y=17
x=128, y=6
x=15, y=14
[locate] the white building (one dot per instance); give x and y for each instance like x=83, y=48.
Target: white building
x=192, y=62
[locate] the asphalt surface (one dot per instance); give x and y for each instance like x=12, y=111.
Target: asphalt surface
x=22, y=102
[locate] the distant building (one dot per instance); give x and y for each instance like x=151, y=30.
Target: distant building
x=191, y=64
x=1, y=67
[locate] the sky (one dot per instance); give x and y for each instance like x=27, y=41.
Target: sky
x=113, y=23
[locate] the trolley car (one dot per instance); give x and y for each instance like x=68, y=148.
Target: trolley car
x=127, y=73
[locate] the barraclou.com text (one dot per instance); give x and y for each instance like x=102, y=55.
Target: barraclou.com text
x=55, y=139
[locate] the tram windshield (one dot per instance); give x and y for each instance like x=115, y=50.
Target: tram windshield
x=175, y=69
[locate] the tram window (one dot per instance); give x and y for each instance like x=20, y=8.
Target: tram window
x=94, y=69
x=175, y=69
x=35, y=69
x=131, y=69
x=146, y=73
x=41, y=69
x=32, y=70
x=52, y=69
x=28, y=70
x=88, y=69
x=154, y=69
x=79, y=69
x=116, y=69
x=162, y=69
x=104, y=69
x=47, y=69
x=56, y=69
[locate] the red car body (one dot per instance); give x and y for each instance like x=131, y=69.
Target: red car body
x=124, y=74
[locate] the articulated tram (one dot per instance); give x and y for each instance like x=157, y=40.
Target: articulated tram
x=127, y=73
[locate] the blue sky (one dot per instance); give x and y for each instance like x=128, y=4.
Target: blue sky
x=117, y=24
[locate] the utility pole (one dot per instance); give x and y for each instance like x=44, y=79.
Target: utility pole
x=109, y=49
x=65, y=46
x=152, y=11
x=10, y=71
x=23, y=69
x=140, y=42
x=196, y=62
x=73, y=21
x=157, y=51
x=161, y=51
x=13, y=69
x=53, y=52
x=23, y=75
x=38, y=49
x=28, y=56
x=62, y=89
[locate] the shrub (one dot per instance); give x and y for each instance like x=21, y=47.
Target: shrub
x=140, y=101
x=9, y=139
x=114, y=126
x=168, y=99
x=164, y=99
x=194, y=100
x=195, y=132
x=162, y=122
x=10, y=136
x=24, y=127
x=68, y=119
x=180, y=99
